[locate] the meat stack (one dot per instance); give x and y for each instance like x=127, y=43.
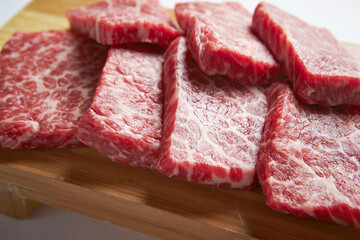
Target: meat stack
x=198, y=110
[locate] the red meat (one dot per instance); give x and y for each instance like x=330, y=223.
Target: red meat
x=212, y=126
x=321, y=71
x=47, y=80
x=221, y=42
x=309, y=159
x=125, y=118
x=124, y=21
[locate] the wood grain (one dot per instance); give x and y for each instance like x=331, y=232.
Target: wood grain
x=12, y=205
x=84, y=181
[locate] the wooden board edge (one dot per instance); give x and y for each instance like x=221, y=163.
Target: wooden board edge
x=116, y=210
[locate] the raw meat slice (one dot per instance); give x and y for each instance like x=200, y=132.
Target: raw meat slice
x=125, y=118
x=321, y=70
x=47, y=80
x=124, y=21
x=220, y=41
x=309, y=159
x=212, y=126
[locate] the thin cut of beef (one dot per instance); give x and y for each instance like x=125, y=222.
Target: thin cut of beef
x=47, y=80
x=309, y=158
x=124, y=21
x=125, y=118
x=212, y=126
x=221, y=42
x=321, y=70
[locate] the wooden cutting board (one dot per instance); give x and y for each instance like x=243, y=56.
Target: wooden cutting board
x=84, y=181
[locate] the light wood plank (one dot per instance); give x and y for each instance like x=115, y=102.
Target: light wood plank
x=84, y=181
x=13, y=205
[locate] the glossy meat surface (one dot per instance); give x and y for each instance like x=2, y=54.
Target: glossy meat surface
x=309, y=158
x=47, y=80
x=212, y=126
x=321, y=70
x=221, y=42
x=125, y=118
x=124, y=21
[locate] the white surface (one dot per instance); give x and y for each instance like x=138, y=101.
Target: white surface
x=8, y=9
x=56, y=224
x=342, y=18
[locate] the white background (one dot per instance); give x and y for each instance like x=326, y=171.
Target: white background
x=342, y=18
